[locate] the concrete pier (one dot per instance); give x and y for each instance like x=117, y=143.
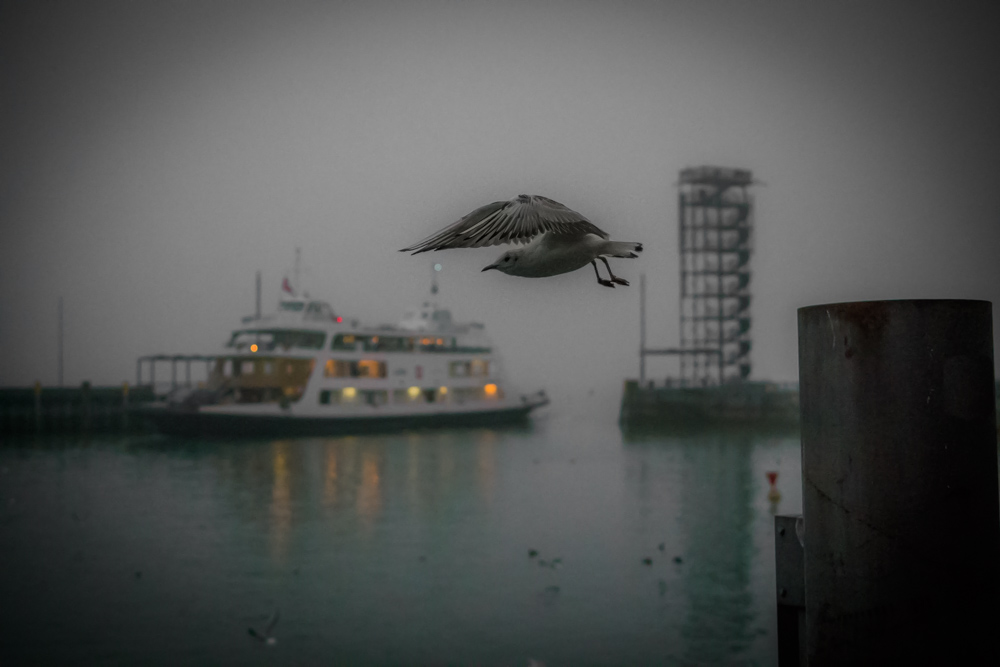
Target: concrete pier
x=900, y=497
x=80, y=409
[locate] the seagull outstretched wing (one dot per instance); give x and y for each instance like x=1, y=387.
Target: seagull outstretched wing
x=515, y=221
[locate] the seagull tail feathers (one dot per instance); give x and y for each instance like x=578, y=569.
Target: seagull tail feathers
x=622, y=249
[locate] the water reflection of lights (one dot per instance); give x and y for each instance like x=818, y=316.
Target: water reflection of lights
x=369, y=496
x=281, y=510
x=330, y=479
x=486, y=465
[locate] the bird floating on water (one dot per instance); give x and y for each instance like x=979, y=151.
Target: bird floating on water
x=558, y=239
x=266, y=637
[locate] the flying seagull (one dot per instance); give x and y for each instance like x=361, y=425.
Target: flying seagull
x=558, y=239
x=266, y=637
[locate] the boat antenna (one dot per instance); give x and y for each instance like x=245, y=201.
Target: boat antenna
x=434, y=282
x=295, y=275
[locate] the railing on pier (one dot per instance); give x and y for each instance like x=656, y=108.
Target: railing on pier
x=161, y=387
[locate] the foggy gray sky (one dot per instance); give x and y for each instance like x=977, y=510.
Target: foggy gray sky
x=156, y=154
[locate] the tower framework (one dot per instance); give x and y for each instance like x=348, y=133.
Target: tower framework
x=715, y=227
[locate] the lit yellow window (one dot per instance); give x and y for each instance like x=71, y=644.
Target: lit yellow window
x=370, y=368
x=349, y=393
x=443, y=390
x=336, y=368
x=413, y=392
x=490, y=389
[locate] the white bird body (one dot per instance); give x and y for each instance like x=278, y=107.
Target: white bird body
x=559, y=239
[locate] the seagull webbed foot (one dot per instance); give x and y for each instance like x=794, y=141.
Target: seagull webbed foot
x=606, y=283
x=614, y=278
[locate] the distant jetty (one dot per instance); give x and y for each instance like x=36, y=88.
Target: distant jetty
x=764, y=404
x=82, y=409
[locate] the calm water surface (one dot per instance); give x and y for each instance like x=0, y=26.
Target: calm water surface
x=403, y=549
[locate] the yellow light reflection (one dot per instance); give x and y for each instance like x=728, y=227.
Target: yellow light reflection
x=281, y=509
x=330, y=486
x=490, y=389
x=486, y=466
x=369, y=494
x=349, y=392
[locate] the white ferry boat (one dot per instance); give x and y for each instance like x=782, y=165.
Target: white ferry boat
x=305, y=370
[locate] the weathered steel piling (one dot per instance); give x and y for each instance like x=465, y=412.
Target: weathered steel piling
x=899, y=475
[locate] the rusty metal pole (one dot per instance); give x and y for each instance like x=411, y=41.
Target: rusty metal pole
x=899, y=477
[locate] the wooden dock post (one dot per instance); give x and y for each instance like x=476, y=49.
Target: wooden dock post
x=899, y=477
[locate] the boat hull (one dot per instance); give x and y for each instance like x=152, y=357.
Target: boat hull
x=185, y=422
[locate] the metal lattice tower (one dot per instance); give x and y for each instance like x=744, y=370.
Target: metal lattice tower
x=715, y=225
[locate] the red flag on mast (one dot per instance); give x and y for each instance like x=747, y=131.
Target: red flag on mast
x=287, y=286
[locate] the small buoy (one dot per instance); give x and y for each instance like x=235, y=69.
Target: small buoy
x=532, y=553
x=647, y=561
x=773, y=494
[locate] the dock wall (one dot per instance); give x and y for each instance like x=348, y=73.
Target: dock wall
x=763, y=403
x=72, y=409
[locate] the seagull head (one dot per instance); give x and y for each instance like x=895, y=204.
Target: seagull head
x=506, y=263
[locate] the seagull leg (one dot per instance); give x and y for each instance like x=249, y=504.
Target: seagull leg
x=606, y=283
x=614, y=278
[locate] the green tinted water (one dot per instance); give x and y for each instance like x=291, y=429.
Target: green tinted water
x=404, y=549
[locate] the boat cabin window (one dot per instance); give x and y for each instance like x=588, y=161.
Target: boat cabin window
x=388, y=344
x=474, y=368
x=318, y=310
x=374, y=397
x=362, y=368
x=344, y=342
x=281, y=339
x=437, y=344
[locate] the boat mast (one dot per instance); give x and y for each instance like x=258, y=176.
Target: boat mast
x=295, y=274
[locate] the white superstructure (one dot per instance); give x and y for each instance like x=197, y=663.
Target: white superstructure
x=305, y=362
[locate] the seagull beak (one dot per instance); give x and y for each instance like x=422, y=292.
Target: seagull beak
x=491, y=266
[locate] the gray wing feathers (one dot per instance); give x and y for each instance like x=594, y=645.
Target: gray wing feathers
x=515, y=221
